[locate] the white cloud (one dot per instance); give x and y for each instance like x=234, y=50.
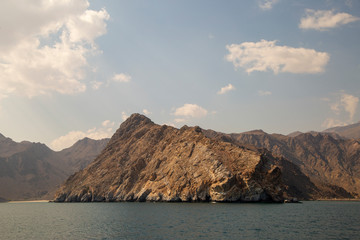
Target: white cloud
x=225, y=89
x=325, y=19
x=108, y=124
x=179, y=120
x=191, y=110
x=341, y=105
x=266, y=55
x=121, y=77
x=264, y=93
x=349, y=103
x=124, y=116
x=331, y=122
x=96, y=85
x=44, y=45
x=106, y=130
x=267, y=4
x=146, y=112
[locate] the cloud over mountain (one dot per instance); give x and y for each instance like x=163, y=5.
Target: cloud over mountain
x=191, y=110
x=104, y=131
x=343, y=104
x=45, y=45
x=325, y=19
x=266, y=55
x=226, y=89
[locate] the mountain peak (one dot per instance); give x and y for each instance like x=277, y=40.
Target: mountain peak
x=256, y=132
x=135, y=122
x=145, y=161
x=136, y=119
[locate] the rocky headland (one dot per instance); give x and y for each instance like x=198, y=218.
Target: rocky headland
x=330, y=162
x=144, y=161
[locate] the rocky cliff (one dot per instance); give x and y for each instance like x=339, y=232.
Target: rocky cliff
x=148, y=162
x=330, y=162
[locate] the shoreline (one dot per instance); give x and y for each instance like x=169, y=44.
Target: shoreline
x=339, y=199
x=334, y=200
x=29, y=201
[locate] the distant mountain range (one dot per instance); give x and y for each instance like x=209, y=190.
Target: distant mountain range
x=148, y=162
x=332, y=164
x=313, y=165
x=33, y=171
x=351, y=131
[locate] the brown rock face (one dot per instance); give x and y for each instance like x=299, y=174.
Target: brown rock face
x=147, y=162
x=331, y=164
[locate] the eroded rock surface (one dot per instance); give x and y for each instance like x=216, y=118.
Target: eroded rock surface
x=148, y=162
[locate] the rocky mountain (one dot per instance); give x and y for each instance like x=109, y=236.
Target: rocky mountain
x=351, y=131
x=330, y=162
x=33, y=171
x=144, y=161
x=82, y=153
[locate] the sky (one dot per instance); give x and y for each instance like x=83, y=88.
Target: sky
x=75, y=69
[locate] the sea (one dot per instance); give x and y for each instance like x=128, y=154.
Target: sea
x=133, y=220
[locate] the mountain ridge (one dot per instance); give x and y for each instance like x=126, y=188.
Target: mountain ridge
x=331, y=162
x=144, y=161
x=34, y=171
x=351, y=131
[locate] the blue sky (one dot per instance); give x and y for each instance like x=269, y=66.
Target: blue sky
x=71, y=69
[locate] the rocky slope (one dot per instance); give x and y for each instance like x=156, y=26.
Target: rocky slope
x=331, y=163
x=147, y=162
x=82, y=153
x=351, y=131
x=33, y=171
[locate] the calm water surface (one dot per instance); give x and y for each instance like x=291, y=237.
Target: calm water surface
x=310, y=220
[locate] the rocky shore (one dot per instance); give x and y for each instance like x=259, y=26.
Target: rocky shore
x=144, y=161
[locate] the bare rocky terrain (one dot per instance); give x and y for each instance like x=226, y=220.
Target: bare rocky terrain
x=147, y=162
x=34, y=171
x=330, y=162
x=144, y=161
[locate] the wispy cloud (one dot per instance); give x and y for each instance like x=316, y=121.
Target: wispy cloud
x=121, y=77
x=264, y=93
x=341, y=105
x=146, y=112
x=332, y=122
x=191, y=110
x=226, y=89
x=124, y=116
x=266, y=55
x=325, y=19
x=267, y=4
x=96, y=84
x=106, y=130
x=47, y=48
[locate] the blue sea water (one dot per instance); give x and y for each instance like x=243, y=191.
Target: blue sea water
x=310, y=220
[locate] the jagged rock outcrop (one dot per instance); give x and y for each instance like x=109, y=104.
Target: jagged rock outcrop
x=148, y=162
x=331, y=163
